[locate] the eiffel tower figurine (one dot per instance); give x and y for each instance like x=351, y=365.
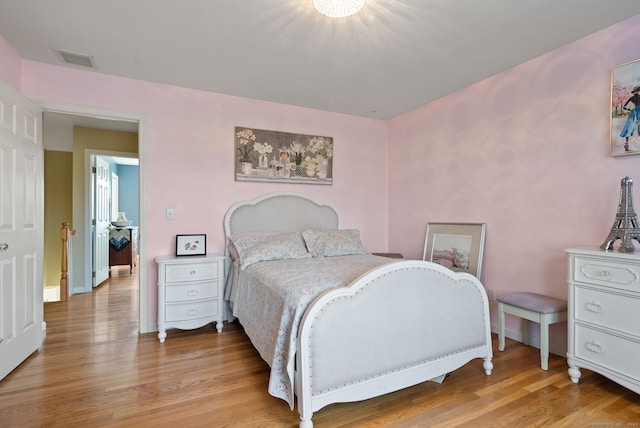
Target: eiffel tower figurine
x=626, y=225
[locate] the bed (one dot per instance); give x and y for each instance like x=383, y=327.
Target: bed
x=336, y=323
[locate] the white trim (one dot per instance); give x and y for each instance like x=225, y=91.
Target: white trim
x=559, y=349
x=115, y=194
x=144, y=326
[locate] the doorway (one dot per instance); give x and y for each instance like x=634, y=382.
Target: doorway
x=114, y=194
x=81, y=212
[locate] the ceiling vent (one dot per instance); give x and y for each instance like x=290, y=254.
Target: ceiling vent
x=76, y=59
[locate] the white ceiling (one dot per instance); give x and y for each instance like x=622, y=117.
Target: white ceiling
x=394, y=56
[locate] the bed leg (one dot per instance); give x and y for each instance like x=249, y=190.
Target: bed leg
x=306, y=423
x=487, y=365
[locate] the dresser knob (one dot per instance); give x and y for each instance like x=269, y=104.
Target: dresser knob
x=606, y=274
x=192, y=312
x=595, y=347
x=595, y=307
x=193, y=272
x=192, y=293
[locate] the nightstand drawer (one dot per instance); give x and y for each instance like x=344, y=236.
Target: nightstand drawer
x=189, y=292
x=613, y=352
x=191, y=310
x=616, y=311
x=625, y=276
x=191, y=272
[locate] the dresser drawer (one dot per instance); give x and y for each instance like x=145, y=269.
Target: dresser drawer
x=613, y=352
x=625, y=276
x=189, y=292
x=191, y=272
x=191, y=310
x=616, y=311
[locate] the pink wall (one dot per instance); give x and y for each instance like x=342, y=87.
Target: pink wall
x=10, y=65
x=188, y=157
x=526, y=152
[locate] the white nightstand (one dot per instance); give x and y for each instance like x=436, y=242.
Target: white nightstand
x=190, y=292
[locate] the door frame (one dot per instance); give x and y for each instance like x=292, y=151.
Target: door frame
x=79, y=251
x=90, y=156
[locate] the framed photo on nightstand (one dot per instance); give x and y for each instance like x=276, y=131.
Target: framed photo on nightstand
x=191, y=245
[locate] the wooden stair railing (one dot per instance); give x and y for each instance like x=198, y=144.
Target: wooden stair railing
x=65, y=235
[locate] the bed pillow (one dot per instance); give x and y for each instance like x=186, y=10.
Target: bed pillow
x=253, y=248
x=233, y=252
x=334, y=242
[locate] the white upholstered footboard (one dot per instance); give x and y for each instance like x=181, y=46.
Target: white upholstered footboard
x=396, y=326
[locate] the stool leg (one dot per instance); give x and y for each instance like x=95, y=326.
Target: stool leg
x=500, y=326
x=544, y=343
x=526, y=333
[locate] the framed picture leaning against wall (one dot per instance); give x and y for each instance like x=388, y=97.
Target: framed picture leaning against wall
x=458, y=246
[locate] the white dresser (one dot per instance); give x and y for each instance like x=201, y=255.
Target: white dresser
x=604, y=315
x=190, y=292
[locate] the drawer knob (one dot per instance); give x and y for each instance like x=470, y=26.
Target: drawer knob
x=192, y=293
x=605, y=274
x=595, y=307
x=192, y=312
x=193, y=272
x=595, y=347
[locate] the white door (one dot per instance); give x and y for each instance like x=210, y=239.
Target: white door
x=102, y=217
x=115, y=186
x=21, y=229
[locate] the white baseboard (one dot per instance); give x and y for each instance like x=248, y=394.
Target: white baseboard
x=51, y=294
x=153, y=327
x=559, y=349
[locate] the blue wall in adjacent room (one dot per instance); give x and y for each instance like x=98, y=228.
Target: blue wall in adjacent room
x=129, y=194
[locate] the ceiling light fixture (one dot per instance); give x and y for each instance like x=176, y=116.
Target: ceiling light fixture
x=338, y=8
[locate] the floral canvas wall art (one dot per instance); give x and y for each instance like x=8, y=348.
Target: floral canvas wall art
x=274, y=156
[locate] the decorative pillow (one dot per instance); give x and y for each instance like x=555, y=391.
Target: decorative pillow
x=253, y=248
x=233, y=252
x=334, y=242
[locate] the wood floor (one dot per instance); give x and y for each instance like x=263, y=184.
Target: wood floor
x=95, y=370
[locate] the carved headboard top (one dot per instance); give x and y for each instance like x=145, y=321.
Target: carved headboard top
x=285, y=212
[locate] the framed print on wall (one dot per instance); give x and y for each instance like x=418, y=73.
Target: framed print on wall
x=283, y=157
x=625, y=109
x=458, y=246
x=191, y=245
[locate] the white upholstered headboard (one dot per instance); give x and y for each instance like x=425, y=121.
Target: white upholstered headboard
x=286, y=212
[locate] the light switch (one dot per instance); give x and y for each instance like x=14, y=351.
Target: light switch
x=170, y=215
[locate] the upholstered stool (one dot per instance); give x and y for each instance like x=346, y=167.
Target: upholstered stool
x=544, y=310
